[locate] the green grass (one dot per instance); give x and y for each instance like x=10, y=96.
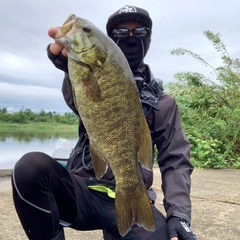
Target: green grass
x=38, y=127
x=30, y=131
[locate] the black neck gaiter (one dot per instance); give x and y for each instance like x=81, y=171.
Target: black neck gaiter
x=134, y=50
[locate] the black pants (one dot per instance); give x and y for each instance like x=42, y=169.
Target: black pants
x=47, y=198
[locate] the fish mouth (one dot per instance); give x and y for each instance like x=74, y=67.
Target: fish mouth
x=66, y=28
x=71, y=18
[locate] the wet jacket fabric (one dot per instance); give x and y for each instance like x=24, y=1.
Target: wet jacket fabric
x=161, y=112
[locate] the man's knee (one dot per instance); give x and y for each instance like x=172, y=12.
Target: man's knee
x=31, y=168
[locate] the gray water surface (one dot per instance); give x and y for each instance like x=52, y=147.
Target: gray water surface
x=14, y=145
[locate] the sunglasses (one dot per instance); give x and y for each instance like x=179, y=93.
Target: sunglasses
x=123, y=33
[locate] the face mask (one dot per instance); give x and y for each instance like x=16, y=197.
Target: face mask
x=134, y=50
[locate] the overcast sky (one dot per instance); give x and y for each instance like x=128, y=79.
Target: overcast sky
x=28, y=79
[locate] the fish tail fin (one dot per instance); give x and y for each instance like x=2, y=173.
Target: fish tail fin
x=134, y=207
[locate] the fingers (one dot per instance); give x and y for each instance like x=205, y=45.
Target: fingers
x=174, y=238
x=64, y=52
x=52, y=32
x=56, y=48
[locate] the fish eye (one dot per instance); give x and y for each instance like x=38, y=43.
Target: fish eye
x=87, y=29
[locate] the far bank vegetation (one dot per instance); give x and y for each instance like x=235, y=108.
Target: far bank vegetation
x=25, y=116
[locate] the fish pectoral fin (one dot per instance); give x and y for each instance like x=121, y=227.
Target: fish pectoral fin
x=93, y=90
x=145, y=147
x=99, y=165
x=134, y=207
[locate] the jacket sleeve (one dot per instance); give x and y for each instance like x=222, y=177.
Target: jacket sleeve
x=173, y=158
x=61, y=62
x=68, y=94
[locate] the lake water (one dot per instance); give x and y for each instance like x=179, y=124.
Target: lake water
x=14, y=145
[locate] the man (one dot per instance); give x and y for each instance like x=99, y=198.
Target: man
x=49, y=197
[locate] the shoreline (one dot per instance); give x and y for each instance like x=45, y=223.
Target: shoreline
x=6, y=172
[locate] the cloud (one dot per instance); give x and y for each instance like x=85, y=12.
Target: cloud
x=21, y=70
x=34, y=97
x=24, y=24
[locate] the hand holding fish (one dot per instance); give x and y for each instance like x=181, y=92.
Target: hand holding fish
x=56, y=48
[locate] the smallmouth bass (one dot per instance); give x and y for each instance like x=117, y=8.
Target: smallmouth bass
x=107, y=99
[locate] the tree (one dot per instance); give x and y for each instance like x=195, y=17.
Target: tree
x=3, y=110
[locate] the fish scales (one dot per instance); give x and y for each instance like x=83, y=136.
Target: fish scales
x=108, y=103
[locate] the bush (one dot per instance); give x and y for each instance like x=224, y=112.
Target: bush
x=18, y=117
x=210, y=110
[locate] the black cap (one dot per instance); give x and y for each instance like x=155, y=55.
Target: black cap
x=129, y=13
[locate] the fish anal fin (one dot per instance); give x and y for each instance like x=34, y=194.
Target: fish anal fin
x=99, y=164
x=145, y=146
x=134, y=207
